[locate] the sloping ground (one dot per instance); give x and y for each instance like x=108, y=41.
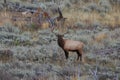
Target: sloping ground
x=37, y=56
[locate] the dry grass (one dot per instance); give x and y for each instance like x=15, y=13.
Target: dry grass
x=21, y=22
x=112, y=19
x=100, y=37
x=4, y=18
x=45, y=25
x=56, y=57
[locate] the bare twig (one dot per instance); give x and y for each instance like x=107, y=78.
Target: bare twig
x=94, y=74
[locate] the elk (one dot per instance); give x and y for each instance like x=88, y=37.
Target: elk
x=70, y=45
x=67, y=44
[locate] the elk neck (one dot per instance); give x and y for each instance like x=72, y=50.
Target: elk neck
x=60, y=41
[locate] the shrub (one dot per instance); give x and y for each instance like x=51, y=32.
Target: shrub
x=79, y=25
x=96, y=24
x=10, y=28
x=15, y=39
x=105, y=4
x=67, y=3
x=4, y=75
x=86, y=9
x=42, y=5
x=102, y=14
x=92, y=6
x=21, y=73
x=1, y=7
x=6, y=54
x=74, y=1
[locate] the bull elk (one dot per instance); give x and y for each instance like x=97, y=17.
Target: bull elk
x=70, y=45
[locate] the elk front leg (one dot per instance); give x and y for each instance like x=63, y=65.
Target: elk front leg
x=66, y=54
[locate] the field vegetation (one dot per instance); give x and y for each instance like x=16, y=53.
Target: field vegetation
x=29, y=49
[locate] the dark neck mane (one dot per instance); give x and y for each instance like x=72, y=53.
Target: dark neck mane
x=60, y=42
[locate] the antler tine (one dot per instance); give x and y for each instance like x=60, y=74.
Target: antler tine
x=60, y=13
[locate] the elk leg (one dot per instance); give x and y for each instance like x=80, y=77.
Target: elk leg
x=78, y=55
x=66, y=54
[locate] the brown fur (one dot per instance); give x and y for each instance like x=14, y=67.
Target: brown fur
x=70, y=45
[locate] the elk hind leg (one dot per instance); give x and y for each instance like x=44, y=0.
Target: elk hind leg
x=79, y=54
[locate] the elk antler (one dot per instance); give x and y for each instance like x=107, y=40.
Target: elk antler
x=60, y=15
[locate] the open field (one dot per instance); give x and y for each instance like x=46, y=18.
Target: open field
x=29, y=51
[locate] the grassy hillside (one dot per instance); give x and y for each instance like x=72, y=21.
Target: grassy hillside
x=29, y=50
